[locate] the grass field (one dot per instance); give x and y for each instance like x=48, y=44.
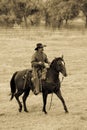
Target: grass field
x=16, y=48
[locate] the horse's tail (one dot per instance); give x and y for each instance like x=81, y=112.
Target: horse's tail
x=12, y=85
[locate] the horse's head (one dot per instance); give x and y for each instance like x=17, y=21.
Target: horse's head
x=58, y=65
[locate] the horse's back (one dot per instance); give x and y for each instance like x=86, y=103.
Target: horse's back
x=22, y=73
x=21, y=76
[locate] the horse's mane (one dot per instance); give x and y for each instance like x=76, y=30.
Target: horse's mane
x=54, y=61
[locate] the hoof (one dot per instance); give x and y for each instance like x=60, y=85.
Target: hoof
x=67, y=111
x=26, y=111
x=20, y=110
x=44, y=111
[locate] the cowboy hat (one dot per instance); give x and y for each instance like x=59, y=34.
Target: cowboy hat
x=39, y=45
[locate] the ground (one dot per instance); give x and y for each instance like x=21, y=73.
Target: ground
x=16, y=48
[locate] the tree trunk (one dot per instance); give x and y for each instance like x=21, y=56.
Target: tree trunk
x=25, y=20
x=66, y=21
x=86, y=22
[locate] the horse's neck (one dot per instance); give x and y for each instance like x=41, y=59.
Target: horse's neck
x=52, y=76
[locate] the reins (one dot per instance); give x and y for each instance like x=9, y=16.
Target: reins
x=51, y=101
x=62, y=79
x=52, y=94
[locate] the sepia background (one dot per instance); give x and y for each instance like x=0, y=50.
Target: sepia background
x=17, y=45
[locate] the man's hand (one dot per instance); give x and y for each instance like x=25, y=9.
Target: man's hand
x=40, y=63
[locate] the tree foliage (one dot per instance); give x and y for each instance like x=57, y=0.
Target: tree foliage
x=53, y=12
x=59, y=10
x=19, y=9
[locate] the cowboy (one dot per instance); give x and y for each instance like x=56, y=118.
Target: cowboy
x=38, y=61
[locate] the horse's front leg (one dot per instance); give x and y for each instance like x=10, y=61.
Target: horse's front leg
x=44, y=102
x=26, y=93
x=58, y=93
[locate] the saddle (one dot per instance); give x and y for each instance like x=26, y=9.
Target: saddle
x=27, y=76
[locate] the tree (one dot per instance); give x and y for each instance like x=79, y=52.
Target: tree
x=6, y=17
x=24, y=8
x=59, y=10
x=84, y=9
x=70, y=10
x=19, y=9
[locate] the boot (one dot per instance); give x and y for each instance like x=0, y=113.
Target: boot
x=35, y=92
x=36, y=86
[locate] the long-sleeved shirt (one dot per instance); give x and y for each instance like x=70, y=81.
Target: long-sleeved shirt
x=39, y=57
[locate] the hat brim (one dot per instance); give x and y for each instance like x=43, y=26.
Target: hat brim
x=40, y=47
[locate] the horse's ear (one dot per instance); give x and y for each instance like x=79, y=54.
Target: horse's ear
x=62, y=56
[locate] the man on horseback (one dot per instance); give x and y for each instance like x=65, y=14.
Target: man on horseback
x=38, y=61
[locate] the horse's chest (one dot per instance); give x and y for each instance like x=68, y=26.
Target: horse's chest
x=51, y=77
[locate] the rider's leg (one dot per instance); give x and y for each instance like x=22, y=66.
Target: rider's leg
x=35, y=81
x=44, y=71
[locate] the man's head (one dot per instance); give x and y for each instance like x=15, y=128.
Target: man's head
x=39, y=46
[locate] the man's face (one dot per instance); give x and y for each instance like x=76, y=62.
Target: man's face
x=40, y=49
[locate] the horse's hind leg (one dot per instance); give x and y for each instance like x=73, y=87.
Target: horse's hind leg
x=58, y=93
x=26, y=93
x=17, y=98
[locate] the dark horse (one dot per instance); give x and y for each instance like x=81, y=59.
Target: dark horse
x=51, y=84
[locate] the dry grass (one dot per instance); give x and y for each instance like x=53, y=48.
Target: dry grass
x=16, y=49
